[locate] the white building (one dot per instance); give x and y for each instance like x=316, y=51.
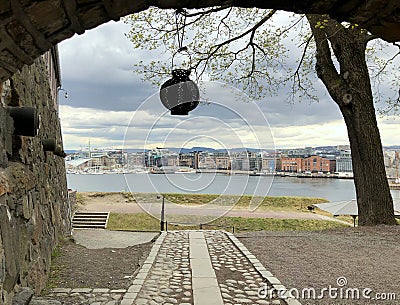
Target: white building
x=344, y=163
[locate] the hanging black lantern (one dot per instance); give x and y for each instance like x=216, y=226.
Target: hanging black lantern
x=180, y=94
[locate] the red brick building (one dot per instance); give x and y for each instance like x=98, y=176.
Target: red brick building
x=289, y=164
x=316, y=164
x=311, y=164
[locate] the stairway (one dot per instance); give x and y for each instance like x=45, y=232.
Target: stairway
x=90, y=220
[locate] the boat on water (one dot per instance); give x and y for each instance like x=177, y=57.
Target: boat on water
x=128, y=171
x=261, y=174
x=142, y=171
x=172, y=170
x=185, y=170
x=162, y=170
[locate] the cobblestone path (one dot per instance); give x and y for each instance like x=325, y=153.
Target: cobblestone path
x=239, y=281
x=169, y=280
x=191, y=268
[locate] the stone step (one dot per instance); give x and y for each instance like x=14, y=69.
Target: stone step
x=90, y=222
x=91, y=214
x=88, y=226
x=90, y=219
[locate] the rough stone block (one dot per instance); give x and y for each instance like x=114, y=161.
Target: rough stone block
x=4, y=187
x=44, y=301
x=23, y=296
x=81, y=290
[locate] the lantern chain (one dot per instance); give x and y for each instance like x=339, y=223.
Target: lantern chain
x=180, y=23
x=180, y=17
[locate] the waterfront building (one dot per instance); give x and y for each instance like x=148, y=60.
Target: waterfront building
x=392, y=166
x=255, y=163
x=136, y=160
x=206, y=162
x=77, y=164
x=171, y=160
x=236, y=163
x=315, y=164
x=268, y=164
x=245, y=164
x=187, y=160
x=291, y=164
x=344, y=162
x=223, y=162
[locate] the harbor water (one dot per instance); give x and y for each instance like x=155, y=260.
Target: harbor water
x=330, y=189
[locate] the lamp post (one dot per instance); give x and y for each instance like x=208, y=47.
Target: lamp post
x=354, y=220
x=162, y=217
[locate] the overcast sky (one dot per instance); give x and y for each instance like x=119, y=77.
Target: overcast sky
x=105, y=97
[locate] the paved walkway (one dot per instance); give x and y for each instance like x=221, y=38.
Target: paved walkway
x=193, y=267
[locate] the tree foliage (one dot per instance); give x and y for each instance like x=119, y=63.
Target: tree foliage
x=259, y=51
x=247, y=48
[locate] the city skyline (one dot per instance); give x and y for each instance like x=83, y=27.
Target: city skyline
x=211, y=149
x=324, y=160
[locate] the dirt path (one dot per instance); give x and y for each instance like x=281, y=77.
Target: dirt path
x=76, y=266
x=118, y=204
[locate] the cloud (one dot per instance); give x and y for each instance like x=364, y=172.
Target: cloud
x=105, y=96
x=101, y=56
x=97, y=69
x=389, y=128
x=109, y=128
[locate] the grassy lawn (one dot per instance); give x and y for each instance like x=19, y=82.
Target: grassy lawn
x=281, y=203
x=265, y=204
x=268, y=203
x=144, y=222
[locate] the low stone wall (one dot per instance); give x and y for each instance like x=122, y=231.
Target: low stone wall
x=34, y=208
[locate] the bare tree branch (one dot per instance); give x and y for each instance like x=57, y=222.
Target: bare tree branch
x=223, y=22
x=389, y=60
x=202, y=13
x=217, y=47
x=291, y=26
x=296, y=75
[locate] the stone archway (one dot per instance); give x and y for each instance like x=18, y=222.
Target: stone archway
x=28, y=28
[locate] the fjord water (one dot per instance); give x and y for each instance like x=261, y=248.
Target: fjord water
x=330, y=189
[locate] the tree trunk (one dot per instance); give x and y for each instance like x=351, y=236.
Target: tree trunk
x=351, y=90
x=375, y=205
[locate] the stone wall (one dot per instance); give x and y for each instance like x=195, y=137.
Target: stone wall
x=34, y=209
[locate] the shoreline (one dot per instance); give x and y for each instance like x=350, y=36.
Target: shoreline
x=224, y=172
